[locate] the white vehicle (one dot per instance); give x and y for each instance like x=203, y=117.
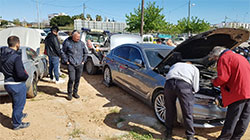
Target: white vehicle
x=42, y=35
x=62, y=36
x=102, y=44
x=179, y=40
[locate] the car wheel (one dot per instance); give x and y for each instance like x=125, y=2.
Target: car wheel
x=90, y=68
x=159, y=106
x=107, y=76
x=32, y=92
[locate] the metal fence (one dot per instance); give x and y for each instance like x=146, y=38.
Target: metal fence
x=110, y=26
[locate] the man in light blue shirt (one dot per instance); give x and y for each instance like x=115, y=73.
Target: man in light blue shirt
x=182, y=81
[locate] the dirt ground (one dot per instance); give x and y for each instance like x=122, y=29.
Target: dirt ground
x=101, y=113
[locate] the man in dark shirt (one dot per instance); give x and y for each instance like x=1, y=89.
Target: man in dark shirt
x=14, y=80
x=74, y=55
x=52, y=49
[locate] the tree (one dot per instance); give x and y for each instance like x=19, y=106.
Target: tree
x=16, y=21
x=61, y=21
x=4, y=22
x=78, y=17
x=153, y=19
x=89, y=17
x=195, y=25
x=98, y=18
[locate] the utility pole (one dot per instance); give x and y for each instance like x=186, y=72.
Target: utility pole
x=38, y=18
x=142, y=16
x=84, y=7
x=189, y=6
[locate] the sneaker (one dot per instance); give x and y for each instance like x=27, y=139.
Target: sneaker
x=60, y=81
x=24, y=116
x=76, y=95
x=192, y=138
x=52, y=80
x=22, y=125
x=69, y=97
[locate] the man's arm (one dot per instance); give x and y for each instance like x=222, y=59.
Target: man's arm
x=196, y=80
x=19, y=69
x=223, y=72
x=57, y=46
x=64, y=52
x=85, y=52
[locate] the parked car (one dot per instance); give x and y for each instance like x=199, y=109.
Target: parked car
x=42, y=35
x=179, y=40
x=62, y=36
x=34, y=64
x=140, y=69
x=101, y=48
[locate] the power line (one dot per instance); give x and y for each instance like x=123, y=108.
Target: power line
x=55, y=5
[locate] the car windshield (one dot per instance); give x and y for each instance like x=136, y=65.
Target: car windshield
x=95, y=37
x=155, y=56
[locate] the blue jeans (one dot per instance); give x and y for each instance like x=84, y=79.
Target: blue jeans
x=54, y=65
x=17, y=93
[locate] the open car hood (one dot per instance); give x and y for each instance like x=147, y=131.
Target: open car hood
x=196, y=48
x=28, y=37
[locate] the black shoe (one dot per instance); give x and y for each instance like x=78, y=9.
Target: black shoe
x=24, y=116
x=69, y=97
x=76, y=95
x=22, y=125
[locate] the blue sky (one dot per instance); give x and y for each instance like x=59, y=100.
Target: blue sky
x=213, y=11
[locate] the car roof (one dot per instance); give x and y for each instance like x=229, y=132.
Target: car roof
x=152, y=46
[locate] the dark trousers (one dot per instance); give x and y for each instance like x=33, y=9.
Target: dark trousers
x=178, y=88
x=237, y=120
x=17, y=92
x=75, y=73
x=54, y=66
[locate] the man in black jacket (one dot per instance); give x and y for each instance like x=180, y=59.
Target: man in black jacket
x=14, y=80
x=74, y=55
x=52, y=49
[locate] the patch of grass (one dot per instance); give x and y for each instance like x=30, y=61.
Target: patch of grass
x=76, y=133
x=137, y=136
x=134, y=136
x=115, y=110
x=63, y=76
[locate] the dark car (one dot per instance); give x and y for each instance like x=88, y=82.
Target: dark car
x=140, y=69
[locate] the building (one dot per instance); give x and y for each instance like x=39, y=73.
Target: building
x=234, y=25
x=50, y=16
x=110, y=26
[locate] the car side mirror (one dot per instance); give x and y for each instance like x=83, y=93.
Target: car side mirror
x=139, y=62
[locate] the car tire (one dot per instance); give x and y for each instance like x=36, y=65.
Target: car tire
x=107, y=77
x=159, y=106
x=90, y=68
x=32, y=91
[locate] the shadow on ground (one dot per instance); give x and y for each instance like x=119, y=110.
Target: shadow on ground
x=134, y=115
x=5, y=121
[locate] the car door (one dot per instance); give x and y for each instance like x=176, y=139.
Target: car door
x=137, y=77
x=120, y=62
x=32, y=56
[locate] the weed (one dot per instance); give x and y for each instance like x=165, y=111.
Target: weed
x=76, y=133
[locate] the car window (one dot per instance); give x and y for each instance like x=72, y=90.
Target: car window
x=134, y=54
x=155, y=56
x=62, y=34
x=31, y=54
x=122, y=52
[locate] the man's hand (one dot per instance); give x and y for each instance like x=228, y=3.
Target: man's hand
x=67, y=63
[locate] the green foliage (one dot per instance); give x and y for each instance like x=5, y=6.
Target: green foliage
x=78, y=17
x=195, y=25
x=98, y=18
x=61, y=21
x=89, y=17
x=4, y=22
x=153, y=19
x=16, y=21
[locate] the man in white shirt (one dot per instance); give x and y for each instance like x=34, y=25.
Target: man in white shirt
x=182, y=81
